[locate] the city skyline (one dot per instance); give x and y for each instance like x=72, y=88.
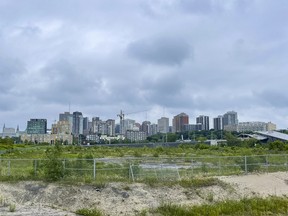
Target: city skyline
x=210, y=120
x=200, y=57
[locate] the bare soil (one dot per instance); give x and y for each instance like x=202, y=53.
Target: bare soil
x=42, y=199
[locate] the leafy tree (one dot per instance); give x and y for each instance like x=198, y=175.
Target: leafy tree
x=231, y=139
x=277, y=145
x=171, y=137
x=53, y=166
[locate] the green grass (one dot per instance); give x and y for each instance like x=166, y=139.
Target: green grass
x=247, y=206
x=79, y=164
x=38, y=151
x=89, y=212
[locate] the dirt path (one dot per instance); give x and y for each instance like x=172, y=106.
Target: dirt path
x=39, y=199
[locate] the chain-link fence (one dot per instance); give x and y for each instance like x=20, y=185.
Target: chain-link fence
x=141, y=168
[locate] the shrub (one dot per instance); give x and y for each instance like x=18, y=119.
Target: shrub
x=53, y=165
x=89, y=212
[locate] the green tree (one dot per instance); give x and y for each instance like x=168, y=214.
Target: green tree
x=53, y=165
x=231, y=139
x=277, y=145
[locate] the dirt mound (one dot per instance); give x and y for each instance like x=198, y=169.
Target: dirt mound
x=38, y=198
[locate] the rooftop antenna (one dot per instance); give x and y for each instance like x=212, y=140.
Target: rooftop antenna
x=69, y=107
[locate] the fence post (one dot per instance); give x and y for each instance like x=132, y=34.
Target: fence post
x=35, y=167
x=245, y=165
x=132, y=174
x=286, y=162
x=9, y=166
x=94, y=169
x=63, y=165
x=192, y=165
x=267, y=163
x=219, y=166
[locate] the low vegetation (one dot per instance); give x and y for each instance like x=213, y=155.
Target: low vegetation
x=89, y=212
x=247, y=206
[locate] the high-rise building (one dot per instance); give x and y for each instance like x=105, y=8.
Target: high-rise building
x=77, y=128
x=67, y=116
x=110, y=124
x=128, y=124
x=37, y=126
x=163, y=125
x=218, y=123
x=86, y=128
x=97, y=125
x=204, y=121
x=154, y=129
x=230, y=121
x=61, y=127
x=145, y=127
x=179, y=121
x=103, y=127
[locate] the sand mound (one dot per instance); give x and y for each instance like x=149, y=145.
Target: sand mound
x=38, y=198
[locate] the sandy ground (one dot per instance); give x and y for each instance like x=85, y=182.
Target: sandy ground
x=41, y=199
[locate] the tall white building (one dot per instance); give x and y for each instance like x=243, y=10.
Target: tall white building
x=163, y=125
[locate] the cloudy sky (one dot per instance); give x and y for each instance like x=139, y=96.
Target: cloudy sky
x=154, y=57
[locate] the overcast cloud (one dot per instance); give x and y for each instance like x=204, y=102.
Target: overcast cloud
x=164, y=57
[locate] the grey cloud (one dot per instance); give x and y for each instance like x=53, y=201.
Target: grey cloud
x=163, y=51
x=196, y=6
x=274, y=98
x=165, y=90
x=10, y=71
x=90, y=53
x=29, y=31
x=63, y=81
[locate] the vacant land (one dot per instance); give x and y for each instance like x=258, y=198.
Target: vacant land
x=39, y=198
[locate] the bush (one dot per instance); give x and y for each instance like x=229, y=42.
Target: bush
x=53, y=165
x=89, y=212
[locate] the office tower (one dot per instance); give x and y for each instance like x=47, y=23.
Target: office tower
x=98, y=126
x=67, y=116
x=230, y=118
x=110, y=124
x=145, y=127
x=230, y=121
x=128, y=124
x=61, y=127
x=204, y=121
x=179, y=121
x=218, y=123
x=154, y=129
x=37, y=126
x=77, y=128
x=95, y=125
x=86, y=128
x=163, y=125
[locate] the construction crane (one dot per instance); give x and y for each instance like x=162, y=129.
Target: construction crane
x=121, y=117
